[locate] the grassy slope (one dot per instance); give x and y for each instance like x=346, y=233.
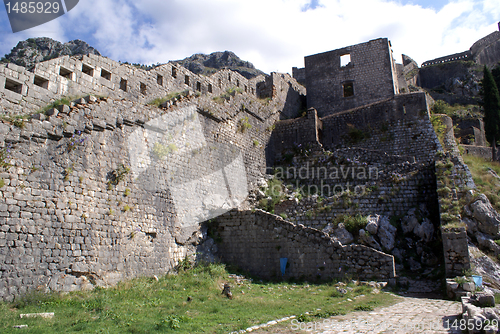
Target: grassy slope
x=147, y=306
x=484, y=180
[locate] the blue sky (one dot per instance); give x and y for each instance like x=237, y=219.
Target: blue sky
x=273, y=34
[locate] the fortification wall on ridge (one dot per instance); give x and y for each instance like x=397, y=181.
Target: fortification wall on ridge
x=24, y=92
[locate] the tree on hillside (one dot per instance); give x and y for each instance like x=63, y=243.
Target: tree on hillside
x=496, y=75
x=491, y=104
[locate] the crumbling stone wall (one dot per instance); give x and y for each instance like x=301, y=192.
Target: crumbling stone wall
x=370, y=76
x=256, y=240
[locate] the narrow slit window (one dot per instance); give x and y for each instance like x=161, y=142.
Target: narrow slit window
x=198, y=86
x=186, y=80
x=159, y=80
x=64, y=72
x=348, y=88
x=13, y=86
x=174, y=72
x=237, y=83
x=87, y=70
x=345, y=60
x=41, y=82
x=143, y=89
x=105, y=74
x=210, y=88
x=123, y=85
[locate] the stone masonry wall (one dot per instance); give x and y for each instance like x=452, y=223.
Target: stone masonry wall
x=255, y=242
x=97, y=191
x=371, y=73
x=23, y=91
x=399, y=126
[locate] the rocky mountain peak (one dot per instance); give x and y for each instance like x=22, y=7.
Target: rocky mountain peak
x=34, y=50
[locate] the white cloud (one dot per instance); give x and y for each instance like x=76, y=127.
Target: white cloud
x=274, y=34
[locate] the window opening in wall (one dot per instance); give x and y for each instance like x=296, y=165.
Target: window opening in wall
x=123, y=85
x=159, y=80
x=87, y=70
x=143, y=89
x=65, y=73
x=348, y=88
x=246, y=88
x=345, y=60
x=186, y=79
x=237, y=83
x=220, y=82
x=105, y=74
x=229, y=77
x=210, y=88
x=41, y=82
x=13, y=86
x=198, y=86
x=174, y=72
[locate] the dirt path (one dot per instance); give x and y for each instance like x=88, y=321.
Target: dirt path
x=409, y=315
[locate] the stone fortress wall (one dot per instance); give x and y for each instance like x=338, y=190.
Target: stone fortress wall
x=466, y=55
x=484, y=52
x=100, y=191
x=23, y=91
x=73, y=217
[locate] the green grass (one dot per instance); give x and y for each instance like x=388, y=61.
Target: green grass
x=457, y=110
x=486, y=183
x=148, y=306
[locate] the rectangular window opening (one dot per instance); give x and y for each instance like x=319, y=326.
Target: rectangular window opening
x=174, y=72
x=105, y=74
x=143, y=89
x=123, y=85
x=64, y=72
x=186, y=80
x=348, y=88
x=198, y=86
x=345, y=60
x=14, y=86
x=237, y=83
x=87, y=70
x=159, y=80
x=41, y=82
x=210, y=89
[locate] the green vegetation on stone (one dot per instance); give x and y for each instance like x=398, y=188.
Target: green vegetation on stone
x=486, y=182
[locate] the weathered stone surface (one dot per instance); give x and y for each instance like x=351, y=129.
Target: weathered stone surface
x=425, y=230
x=488, y=219
x=343, y=235
x=386, y=233
x=409, y=222
x=366, y=238
x=372, y=225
